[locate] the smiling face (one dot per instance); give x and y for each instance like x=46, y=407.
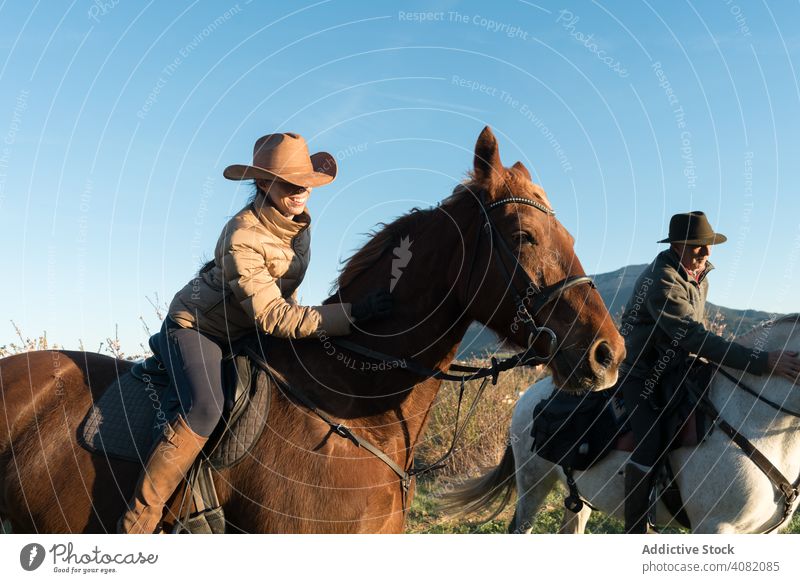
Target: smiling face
x=289, y=199
x=694, y=258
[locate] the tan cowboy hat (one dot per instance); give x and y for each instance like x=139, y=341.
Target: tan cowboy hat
x=692, y=229
x=285, y=157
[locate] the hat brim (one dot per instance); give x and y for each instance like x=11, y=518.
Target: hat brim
x=714, y=239
x=323, y=163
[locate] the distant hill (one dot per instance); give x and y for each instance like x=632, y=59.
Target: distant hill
x=615, y=288
x=478, y=342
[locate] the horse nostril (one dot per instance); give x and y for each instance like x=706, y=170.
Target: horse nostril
x=603, y=355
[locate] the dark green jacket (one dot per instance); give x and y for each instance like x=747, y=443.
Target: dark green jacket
x=663, y=323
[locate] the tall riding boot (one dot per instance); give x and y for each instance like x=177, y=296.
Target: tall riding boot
x=168, y=464
x=637, y=498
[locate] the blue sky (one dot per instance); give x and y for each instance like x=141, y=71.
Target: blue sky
x=117, y=119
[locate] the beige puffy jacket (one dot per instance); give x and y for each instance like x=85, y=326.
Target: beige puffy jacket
x=259, y=262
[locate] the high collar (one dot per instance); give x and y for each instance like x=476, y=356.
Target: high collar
x=674, y=260
x=284, y=227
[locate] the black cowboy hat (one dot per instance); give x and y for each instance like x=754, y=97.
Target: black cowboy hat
x=692, y=229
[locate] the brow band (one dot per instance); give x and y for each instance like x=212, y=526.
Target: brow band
x=529, y=202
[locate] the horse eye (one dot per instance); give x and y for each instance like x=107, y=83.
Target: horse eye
x=524, y=238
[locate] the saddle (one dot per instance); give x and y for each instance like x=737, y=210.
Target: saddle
x=577, y=431
x=134, y=409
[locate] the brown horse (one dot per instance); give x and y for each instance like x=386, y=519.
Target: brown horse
x=301, y=477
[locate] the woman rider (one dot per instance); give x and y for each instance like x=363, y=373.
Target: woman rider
x=251, y=286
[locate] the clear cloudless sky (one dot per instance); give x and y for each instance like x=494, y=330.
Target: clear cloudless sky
x=117, y=119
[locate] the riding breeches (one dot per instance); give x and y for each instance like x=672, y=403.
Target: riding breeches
x=194, y=362
x=646, y=422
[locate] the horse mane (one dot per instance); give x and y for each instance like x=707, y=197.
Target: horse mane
x=787, y=319
x=386, y=236
x=383, y=237
x=764, y=326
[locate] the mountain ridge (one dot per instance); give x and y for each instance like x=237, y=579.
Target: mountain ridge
x=616, y=288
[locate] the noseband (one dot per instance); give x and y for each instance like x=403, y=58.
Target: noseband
x=542, y=296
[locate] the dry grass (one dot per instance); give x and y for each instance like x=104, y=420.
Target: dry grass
x=484, y=439
x=111, y=345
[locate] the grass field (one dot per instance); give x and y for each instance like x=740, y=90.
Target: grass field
x=425, y=518
x=482, y=447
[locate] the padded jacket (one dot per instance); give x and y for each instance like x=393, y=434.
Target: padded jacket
x=663, y=323
x=260, y=260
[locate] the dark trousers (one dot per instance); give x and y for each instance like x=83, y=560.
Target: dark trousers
x=194, y=362
x=646, y=422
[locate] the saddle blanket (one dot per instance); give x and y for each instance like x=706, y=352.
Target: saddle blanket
x=577, y=431
x=131, y=414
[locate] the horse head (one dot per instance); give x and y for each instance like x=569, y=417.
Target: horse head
x=527, y=284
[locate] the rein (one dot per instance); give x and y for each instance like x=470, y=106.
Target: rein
x=739, y=383
x=344, y=431
x=788, y=490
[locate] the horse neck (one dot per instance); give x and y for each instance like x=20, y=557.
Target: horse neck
x=777, y=434
x=426, y=325
x=743, y=410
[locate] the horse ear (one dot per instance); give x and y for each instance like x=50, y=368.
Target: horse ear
x=521, y=167
x=488, y=168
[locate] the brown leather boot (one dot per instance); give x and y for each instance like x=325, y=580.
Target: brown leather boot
x=637, y=498
x=170, y=460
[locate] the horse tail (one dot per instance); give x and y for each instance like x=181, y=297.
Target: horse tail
x=484, y=491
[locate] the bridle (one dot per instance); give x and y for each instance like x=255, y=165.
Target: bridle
x=542, y=297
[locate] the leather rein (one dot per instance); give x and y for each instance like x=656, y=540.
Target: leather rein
x=788, y=490
x=542, y=297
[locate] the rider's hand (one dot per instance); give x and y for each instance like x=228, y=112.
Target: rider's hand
x=785, y=364
x=373, y=306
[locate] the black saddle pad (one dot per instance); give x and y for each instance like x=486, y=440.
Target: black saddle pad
x=132, y=412
x=575, y=431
